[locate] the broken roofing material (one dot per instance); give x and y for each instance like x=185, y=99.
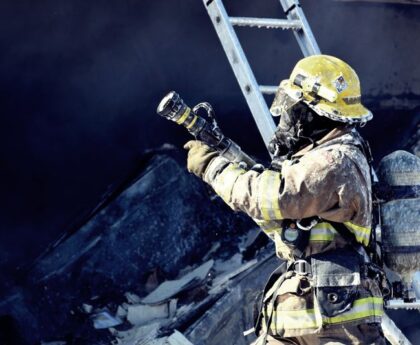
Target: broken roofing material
x=232, y=313
x=159, y=317
x=170, y=288
x=104, y=319
x=136, y=232
x=141, y=314
x=158, y=309
x=138, y=335
x=178, y=339
x=148, y=335
x=223, y=279
x=132, y=298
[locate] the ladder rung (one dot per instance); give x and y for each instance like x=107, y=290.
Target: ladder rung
x=268, y=23
x=268, y=89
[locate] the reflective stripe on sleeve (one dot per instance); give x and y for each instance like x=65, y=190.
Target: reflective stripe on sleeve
x=268, y=195
x=322, y=232
x=361, y=233
x=224, y=182
x=268, y=226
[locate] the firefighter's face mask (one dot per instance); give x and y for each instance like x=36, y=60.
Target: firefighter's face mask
x=283, y=102
x=298, y=127
x=293, y=114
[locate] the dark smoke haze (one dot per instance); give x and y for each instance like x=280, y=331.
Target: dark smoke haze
x=80, y=81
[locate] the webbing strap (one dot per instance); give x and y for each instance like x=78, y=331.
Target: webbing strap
x=367, y=152
x=270, y=306
x=344, y=232
x=277, y=276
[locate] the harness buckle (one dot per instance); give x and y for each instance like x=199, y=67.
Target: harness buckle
x=302, y=267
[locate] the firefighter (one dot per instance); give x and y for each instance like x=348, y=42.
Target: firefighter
x=315, y=205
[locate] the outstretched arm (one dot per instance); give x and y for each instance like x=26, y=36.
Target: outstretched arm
x=301, y=190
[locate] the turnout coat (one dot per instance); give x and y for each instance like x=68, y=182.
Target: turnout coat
x=331, y=181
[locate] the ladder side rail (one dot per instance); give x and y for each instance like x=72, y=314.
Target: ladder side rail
x=305, y=37
x=392, y=333
x=241, y=69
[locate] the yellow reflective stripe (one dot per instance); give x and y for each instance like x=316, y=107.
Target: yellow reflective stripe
x=192, y=122
x=268, y=195
x=306, y=318
x=322, y=232
x=362, y=233
x=301, y=312
x=261, y=222
x=362, y=308
x=293, y=319
x=355, y=316
x=273, y=229
x=322, y=238
x=264, y=199
x=268, y=226
x=374, y=300
x=183, y=117
x=225, y=181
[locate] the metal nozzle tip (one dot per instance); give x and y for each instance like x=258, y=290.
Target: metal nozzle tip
x=166, y=104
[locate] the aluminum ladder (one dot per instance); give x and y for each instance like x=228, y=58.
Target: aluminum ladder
x=253, y=92
x=296, y=21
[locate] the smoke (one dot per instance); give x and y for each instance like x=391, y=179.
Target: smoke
x=80, y=82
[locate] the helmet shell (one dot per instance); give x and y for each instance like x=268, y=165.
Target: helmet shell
x=326, y=84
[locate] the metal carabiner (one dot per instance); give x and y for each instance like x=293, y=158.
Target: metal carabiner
x=309, y=227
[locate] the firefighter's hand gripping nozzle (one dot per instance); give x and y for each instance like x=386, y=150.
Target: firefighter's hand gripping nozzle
x=173, y=108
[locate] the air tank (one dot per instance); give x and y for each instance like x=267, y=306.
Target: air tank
x=399, y=181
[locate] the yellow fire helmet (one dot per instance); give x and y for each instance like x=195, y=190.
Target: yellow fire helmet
x=327, y=85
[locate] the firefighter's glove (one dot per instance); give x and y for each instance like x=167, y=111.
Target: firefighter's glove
x=199, y=157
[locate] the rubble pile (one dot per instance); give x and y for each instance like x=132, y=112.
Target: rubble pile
x=160, y=223
x=161, y=263
x=204, y=305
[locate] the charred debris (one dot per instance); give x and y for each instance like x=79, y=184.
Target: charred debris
x=157, y=262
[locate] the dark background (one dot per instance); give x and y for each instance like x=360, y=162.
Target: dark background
x=80, y=81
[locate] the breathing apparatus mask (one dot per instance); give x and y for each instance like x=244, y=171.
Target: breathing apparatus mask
x=298, y=127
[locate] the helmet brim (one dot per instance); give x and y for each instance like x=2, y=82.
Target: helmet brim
x=337, y=111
